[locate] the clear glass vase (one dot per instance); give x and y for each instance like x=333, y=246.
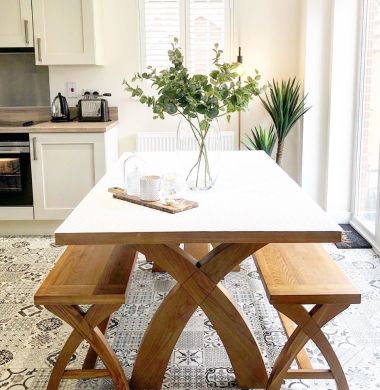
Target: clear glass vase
x=199, y=152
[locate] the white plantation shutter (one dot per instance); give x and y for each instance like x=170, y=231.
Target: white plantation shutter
x=376, y=40
x=199, y=24
x=161, y=23
x=206, y=26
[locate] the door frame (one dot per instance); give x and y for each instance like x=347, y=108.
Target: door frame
x=372, y=238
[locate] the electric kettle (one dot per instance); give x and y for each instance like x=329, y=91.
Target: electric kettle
x=60, y=109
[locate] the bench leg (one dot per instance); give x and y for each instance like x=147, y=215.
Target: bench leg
x=91, y=357
x=309, y=328
x=85, y=327
x=63, y=359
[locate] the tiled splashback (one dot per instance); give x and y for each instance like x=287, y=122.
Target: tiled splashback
x=22, y=83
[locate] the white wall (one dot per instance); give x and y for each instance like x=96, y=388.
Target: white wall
x=343, y=103
x=317, y=54
x=331, y=55
x=269, y=31
x=270, y=35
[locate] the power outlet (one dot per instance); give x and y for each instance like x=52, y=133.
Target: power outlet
x=72, y=89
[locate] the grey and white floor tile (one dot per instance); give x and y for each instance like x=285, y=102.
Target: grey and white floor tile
x=31, y=337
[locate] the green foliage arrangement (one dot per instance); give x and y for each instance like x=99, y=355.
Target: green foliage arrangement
x=198, y=98
x=284, y=105
x=195, y=97
x=261, y=139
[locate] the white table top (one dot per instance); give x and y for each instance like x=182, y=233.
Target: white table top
x=253, y=201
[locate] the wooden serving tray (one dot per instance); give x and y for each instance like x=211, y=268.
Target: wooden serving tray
x=181, y=204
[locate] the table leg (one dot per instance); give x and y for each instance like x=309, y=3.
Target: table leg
x=195, y=250
x=236, y=268
x=198, y=285
x=198, y=251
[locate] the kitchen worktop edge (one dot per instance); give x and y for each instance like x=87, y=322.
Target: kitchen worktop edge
x=62, y=127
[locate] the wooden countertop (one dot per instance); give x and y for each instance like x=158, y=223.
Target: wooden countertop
x=62, y=127
x=42, y=115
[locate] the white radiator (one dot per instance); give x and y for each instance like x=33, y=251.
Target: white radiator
x=166, y=142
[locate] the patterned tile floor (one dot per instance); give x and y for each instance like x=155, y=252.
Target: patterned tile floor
x=31, y=338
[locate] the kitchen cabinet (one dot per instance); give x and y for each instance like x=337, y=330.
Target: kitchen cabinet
x=68, y=32
x=16, y=23
x=65, y=166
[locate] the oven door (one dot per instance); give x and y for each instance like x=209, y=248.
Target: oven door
x=15, y=177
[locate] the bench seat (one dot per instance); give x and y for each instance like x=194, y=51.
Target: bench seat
x=295, y=275
x=304, y=274
x=96, y=275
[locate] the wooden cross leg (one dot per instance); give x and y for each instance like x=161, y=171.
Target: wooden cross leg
x=309, y=328
x=198, y=251
x=85, y=327
x=198, y=285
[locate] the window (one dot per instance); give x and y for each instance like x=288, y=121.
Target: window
x=367, y=191
x=198, y=24
x=160, y=24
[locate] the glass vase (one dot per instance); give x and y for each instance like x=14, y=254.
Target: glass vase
x=198, y=148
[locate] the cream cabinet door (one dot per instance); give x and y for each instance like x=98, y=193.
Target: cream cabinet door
x=67, y=32
x=16, y=23
x=64, y=169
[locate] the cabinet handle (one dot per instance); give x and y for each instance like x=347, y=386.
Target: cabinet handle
x=34, y=148
x=26, y=25
x=39, y=49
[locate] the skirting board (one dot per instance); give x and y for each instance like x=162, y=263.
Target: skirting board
x=357, y=227
x=16, y=213
x=28, y=228
x=340, y=216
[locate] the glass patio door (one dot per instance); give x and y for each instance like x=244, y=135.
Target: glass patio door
x=367, y=195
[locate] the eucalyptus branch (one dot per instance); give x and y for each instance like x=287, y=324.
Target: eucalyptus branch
x=215, y=95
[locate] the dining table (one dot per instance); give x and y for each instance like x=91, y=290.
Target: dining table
x=253, y=203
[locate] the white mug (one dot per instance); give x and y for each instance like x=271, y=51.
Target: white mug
x=150, y=188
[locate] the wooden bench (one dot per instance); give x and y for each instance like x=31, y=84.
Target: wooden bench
x=294, y=275
x=98, y=276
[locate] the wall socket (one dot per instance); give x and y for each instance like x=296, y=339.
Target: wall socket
x=72, y=89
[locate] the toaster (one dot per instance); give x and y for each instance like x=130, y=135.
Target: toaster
x=93, y=108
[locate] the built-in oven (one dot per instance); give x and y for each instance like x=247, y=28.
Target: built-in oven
x=15, y=170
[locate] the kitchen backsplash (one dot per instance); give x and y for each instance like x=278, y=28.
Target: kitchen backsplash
x=22, y=83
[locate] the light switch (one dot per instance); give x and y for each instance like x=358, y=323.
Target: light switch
x=72, y=89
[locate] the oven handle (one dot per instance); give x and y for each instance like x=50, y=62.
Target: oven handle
x=14, y=151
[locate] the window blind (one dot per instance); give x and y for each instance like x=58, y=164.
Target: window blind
x=206, y=26
x=200, y=24
x=376, y=27
x=161, y=24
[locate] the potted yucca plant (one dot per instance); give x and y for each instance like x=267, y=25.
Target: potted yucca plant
x=261, y=139
x=286, y=107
